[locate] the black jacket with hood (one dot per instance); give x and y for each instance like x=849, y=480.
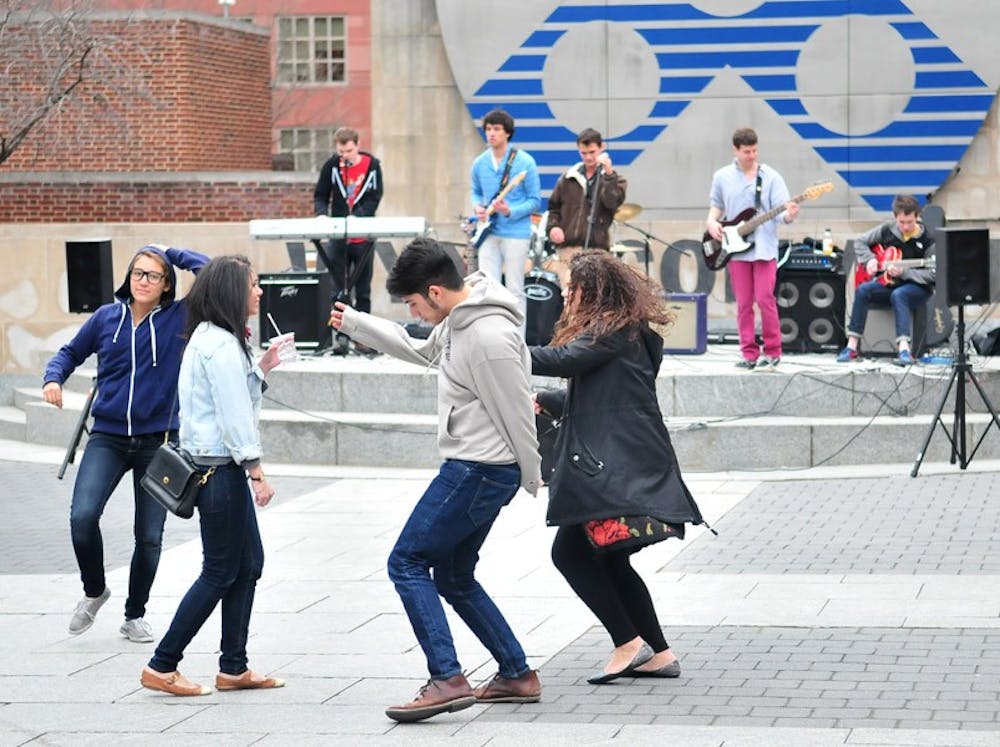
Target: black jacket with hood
x=613, y=455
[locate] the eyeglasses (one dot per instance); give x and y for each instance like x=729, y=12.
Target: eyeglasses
x=150, y=275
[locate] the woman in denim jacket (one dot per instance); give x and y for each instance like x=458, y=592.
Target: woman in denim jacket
x=219, y=390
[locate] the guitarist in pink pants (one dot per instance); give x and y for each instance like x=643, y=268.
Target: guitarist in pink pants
x=742, y=186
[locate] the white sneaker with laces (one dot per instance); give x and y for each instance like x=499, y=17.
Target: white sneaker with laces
x=137, y=630
x=86, y=611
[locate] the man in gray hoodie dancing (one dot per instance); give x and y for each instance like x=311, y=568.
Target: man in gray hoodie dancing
x=486, y=434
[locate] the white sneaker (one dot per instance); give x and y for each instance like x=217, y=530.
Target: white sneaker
x=86, y=611
x=137, y=630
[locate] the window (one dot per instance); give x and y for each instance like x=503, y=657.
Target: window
x=311, y=49
x=309, y=149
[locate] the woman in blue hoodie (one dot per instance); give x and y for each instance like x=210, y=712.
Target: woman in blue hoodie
x=138, y=339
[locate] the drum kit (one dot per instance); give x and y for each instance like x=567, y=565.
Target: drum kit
x=542, y=287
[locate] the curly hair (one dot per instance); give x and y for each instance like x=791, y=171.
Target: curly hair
x=607, y=295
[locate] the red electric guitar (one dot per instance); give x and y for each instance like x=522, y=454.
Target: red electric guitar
x=888, y=256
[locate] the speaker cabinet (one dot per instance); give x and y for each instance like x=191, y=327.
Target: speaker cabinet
x=689, y=333
x=299, y=303
x=89, y=274
x=963, y=265
x=811, y=305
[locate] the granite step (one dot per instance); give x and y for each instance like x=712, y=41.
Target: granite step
x=810, y=412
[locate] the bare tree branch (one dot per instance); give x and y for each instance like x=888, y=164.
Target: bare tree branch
x=55, y=54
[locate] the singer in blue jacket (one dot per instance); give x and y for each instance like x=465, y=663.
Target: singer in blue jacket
x=138, y=340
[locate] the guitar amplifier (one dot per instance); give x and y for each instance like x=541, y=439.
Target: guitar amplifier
x=811, y=261
x=689, y=333
x=299, y=303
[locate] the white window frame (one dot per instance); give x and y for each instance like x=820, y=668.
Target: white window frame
x=311, y=157
x=298, y=55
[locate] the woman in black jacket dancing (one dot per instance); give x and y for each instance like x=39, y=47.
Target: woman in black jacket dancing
x=616, y=475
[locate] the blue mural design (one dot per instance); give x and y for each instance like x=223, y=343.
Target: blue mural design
x=914, y=153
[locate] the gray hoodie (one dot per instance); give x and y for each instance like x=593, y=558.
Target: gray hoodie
x=484, y=376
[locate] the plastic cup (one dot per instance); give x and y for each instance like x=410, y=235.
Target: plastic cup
x=287, y=352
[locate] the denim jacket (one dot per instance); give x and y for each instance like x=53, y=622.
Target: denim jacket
x=219, y=392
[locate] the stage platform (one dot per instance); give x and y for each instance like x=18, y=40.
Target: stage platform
x=811, y=411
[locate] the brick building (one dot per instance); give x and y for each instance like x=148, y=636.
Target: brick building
x=175, y=149
x=205, y=104
x=228, y=101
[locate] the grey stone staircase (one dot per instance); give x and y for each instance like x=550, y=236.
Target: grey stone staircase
x=811, y=411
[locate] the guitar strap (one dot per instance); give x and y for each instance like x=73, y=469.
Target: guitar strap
x=506, y=174
x=757, y=191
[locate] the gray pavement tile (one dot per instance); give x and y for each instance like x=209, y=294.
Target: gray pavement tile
x=281, y=718
x=811, y=683
x=745, y=685
x=915, y=737
x=34, y=536
x=117, y=718
x=517, y=735
x=102, y=739
x=60, y=689
x=911, y=526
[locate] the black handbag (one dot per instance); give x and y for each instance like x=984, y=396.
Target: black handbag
x=173, y=479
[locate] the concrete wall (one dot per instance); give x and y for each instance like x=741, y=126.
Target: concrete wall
x=426, y=140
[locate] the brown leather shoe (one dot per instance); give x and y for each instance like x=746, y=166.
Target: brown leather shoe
x=174, y=683
x=437, y=696
x=523, y=689
x=249, y=680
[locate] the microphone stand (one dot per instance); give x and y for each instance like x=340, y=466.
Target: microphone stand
x=647, y=236
x=593, y=206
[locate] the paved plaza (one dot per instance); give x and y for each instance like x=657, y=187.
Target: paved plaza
x=831, y=610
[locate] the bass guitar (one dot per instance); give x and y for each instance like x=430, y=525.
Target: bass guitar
x=887, y=256
x=483, y=227
x=734, y=232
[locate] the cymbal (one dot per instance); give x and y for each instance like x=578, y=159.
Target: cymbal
x=627, y=211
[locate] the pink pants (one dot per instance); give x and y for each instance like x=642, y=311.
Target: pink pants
x=753, y=282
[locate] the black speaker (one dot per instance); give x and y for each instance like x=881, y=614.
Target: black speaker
x=89, y=274
x=299, y=303
x=811, y=305
x=963, y=265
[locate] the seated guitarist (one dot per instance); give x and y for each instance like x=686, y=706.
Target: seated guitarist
x=903, y=289
x=746, y=184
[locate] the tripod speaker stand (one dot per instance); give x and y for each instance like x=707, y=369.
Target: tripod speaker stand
x=960, y=371
x=965, y=271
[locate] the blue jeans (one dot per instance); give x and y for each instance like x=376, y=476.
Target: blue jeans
x=444, y=533
x=105, y=461
x=903, y=299
x=233, y=558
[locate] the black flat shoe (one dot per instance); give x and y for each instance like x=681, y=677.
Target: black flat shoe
x=671, y=670
x=642, y=656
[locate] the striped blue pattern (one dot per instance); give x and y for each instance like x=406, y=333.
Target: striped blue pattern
x=915, y=153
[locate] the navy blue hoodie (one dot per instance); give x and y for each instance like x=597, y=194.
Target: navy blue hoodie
x=137, y=367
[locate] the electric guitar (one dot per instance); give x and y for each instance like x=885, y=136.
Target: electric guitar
x=888, y=256
x=734, y=232
x=488, y=221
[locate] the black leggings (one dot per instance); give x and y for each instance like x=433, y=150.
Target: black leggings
x=609, y=586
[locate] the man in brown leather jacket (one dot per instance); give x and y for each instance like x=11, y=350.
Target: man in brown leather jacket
x=571, y=201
